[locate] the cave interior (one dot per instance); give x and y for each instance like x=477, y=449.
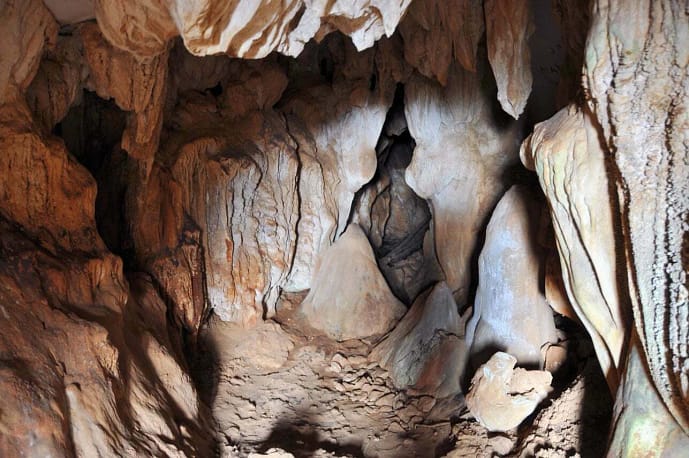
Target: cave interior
x=349, y=229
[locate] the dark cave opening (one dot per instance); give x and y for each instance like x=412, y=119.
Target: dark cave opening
x=92, y=131
x=395, y=219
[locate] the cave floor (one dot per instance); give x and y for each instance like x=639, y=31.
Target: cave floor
x=277, y=389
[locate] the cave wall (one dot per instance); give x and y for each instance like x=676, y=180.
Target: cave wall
x=232, y=177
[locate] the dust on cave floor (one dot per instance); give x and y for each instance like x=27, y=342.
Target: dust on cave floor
x=280, y=390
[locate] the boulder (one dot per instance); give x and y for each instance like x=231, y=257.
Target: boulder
x=501, y=397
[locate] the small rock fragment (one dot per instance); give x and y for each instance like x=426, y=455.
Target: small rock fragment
x=501, y=397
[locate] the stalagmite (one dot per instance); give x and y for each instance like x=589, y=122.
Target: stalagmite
x=510, y=313
x=431, y=331
x=349, y=298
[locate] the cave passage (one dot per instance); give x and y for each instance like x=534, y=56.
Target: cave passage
x=408, y=229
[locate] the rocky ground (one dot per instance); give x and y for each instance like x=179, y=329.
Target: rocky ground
x=280, y=390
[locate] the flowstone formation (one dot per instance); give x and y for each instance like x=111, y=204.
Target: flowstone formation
x=373, y=228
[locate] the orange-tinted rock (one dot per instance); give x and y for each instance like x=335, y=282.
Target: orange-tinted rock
x=136, y=85
x=27, y=27
x=77, y=351
x=41, y=180
x=501, y=397
x=57, y=84
x=243, y=29
x=508, y=29
x=438, y=32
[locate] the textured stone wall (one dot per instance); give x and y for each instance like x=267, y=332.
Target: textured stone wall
x=236, y=177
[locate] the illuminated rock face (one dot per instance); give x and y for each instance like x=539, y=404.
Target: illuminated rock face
x=349, y=298
x=510, y=311
x=251, y=30
x=146, y=188
x=572, y=172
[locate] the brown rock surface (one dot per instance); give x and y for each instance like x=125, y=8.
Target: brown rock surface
x=312, y=396
x=508, y=29
x=461, y=151
x=349, y=298
x=436, y=33
x=426, y=350
x=137, y=86
x=27, y=27
x=242, y=29
x=80, y=374
x=219, y=182
x=57, y=84
x=396, y=221
x=635, y=73
x=501, y=397
x=88, y=368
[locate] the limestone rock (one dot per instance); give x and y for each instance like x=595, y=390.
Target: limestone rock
x=73, y=363
x=437, y=32
x=642, y=422
x=247, y=176
x=57, y=84
x=635, y=73
x=508, y=28
x=396, y=221
x=426, y=350
x=40, y=180
x=88, y=367
x=501, y=397
x=137, y=86
x=566, y=153
x=27, y=27
x=144, y=28
x=72, y=376
x=460, y=156
x=555, y=290
x=510, y=311
x=349, y=298
x=279, y=185
x=337, y=148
